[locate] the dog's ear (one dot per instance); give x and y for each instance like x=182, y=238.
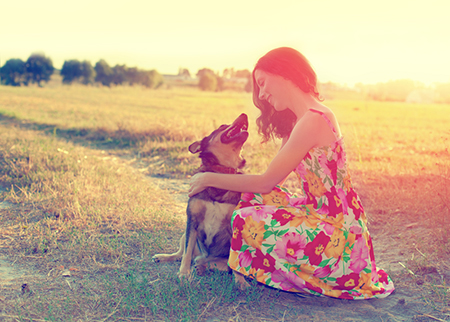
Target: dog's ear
x=195, y=147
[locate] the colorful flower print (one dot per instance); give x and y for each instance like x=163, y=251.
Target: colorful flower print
x=236, y=239
x=290, y=247
x=315, y=248
x=253, y=232
x=348, y=282
x=263, y=262
x=275, y=198
x=315, y=184
x=257, y=212
x=335, y=246
x=288, y=280
x=358, y=256
x=337, y=202
x=329, y=167
x=245, y=258
x=354, y=203
x=283, y=216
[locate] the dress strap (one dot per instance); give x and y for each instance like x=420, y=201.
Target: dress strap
x=327, y=120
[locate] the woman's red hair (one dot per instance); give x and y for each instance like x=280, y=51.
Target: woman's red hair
x=293, y=66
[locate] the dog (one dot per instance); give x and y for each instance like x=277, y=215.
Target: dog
x=208, y=229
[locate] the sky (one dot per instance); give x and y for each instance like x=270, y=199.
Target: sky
x=346, y=41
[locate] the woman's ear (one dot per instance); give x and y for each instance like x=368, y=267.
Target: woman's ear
x=195, y=147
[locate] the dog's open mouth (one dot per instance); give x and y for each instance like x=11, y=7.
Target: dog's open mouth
x=236, y=132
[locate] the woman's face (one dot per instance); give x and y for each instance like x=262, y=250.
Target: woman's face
x=273, y=89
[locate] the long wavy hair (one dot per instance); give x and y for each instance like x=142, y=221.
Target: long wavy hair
x=293, y=66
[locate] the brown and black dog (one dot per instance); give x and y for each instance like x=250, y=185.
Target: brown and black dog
x=208, y=229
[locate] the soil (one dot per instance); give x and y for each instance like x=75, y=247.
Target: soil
x=408, y=303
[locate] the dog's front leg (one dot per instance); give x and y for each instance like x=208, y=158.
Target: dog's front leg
x=191, y=241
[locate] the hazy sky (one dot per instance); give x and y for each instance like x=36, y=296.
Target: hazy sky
x=346, y=41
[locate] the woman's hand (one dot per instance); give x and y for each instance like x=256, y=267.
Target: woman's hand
x=197, y=184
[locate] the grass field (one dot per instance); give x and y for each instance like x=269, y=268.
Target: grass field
x=81, y=166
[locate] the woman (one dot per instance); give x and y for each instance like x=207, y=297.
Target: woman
x=317, y=242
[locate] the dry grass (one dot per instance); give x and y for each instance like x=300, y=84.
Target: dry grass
x=73, y=159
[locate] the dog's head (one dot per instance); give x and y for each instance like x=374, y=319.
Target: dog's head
x=223, y=146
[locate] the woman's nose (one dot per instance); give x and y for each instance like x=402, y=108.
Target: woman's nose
x=261, y=94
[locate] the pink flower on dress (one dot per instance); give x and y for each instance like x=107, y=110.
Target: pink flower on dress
x=247, y=197
x=359, y=255
x=245, y=258
x=263, y=262
x=290, y=247
x=288, y=280
x=354, y=203
x=337, y=203
x=236, y=239
x=357, y=230
x=328, y=228
x=257, y=212
x=329, y=167
x=339, y=153
x=297, y=201
x=283, y=216
x=383, y=277
x=316, y=247
x=321, y=272
x=347, y=282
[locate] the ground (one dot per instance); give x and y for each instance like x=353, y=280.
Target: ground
x=408, y=303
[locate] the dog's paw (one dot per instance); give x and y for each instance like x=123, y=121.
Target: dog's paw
x=200, y=269
x=239, y=279
x=184, y=277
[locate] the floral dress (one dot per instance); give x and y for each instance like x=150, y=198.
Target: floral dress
x=316, y=243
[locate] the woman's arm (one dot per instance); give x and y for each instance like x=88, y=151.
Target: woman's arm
x=305, y=135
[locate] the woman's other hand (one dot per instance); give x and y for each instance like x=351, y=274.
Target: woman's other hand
x=197, y=184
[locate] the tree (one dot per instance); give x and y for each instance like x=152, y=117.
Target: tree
x=87, y=73
x=208, y=81
x=71, y=71
x=132, y=75
x=203, y=71
x=13, y=72
x=151, y=79
x=119, y=74
x=39, y=68
x=104, y=73
x=243, y=73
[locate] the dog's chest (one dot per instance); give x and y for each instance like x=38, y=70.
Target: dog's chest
x=216, y=216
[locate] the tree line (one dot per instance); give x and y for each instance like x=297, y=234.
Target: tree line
x=38, y=68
